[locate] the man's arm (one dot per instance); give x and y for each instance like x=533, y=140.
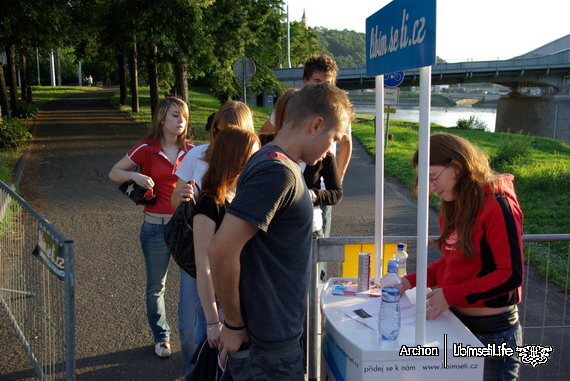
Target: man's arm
x=344, y=154
x=224, y=253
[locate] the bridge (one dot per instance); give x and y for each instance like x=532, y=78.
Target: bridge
x=547, y=66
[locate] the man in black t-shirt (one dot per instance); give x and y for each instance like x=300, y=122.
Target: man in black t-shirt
x=260, y=256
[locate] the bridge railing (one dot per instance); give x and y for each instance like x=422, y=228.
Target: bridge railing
x=37, y=287
x=543, y=312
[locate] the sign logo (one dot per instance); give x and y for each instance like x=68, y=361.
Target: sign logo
x=401, y=36
x=394, y=79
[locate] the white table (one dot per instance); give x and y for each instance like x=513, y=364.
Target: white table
x=352, y=351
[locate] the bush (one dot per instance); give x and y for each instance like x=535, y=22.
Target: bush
x=25, y=110
x=473, y=123
x=13, y=134
x=512, y=152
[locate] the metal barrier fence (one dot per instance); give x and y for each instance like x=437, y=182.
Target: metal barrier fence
x=543, y=311
x=37, y=286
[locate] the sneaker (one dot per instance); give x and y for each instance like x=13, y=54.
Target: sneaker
x=162, y=349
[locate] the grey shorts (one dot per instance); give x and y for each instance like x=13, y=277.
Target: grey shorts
x=266, y=363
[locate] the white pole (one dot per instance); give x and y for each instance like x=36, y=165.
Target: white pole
x=79, y=77
x=38, y=65
x=288, y=38
x=379, y=186
x=51, y=69
x=423, y=205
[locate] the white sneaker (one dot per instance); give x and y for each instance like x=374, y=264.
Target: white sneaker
x=162, y=349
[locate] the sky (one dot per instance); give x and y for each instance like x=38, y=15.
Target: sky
x=477, y=30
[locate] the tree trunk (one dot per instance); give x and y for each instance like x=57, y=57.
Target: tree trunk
x=4, y=104
x=57, y=67
x=134, y=79
x=12, y=83
x=122, y=78
x=24, y=75
x=153, y=77
x=181, y=81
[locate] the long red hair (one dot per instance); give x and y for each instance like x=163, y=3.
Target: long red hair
x=226, y=157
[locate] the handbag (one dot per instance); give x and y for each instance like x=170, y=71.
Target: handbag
x=179, y=237
x=140, y=195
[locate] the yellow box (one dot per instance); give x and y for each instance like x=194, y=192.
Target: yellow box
x=350, y=265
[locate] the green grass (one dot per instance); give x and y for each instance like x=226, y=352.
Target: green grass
x=202, y=104
x=42, y=94
x=8, y=160
x=542, y=183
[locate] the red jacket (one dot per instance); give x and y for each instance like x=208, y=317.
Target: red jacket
x=493, y=276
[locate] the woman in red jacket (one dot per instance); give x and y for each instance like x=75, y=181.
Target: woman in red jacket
x=480, y=274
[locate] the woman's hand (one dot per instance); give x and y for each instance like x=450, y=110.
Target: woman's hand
x=436, y=304
x=187, y=191
x=143, y=180
x=213, y=333
x=405, y=285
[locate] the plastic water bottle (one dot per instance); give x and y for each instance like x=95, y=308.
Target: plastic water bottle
x=389, y=315
x=401, y=257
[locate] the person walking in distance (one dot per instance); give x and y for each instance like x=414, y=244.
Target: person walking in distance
x=320, y=69
x=480, y=274
x=260, y=255
x=161, y=151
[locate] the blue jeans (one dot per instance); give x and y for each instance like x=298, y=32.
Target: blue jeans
x=502, y=368
x=327, y=220
x=156, y=258
x=191, y=320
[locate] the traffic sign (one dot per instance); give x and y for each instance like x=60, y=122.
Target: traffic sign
x=391, y=96
x=244, y=68
x=393, y=79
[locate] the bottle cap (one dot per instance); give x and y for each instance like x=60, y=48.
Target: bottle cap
x=400, y=246
x=392, y=265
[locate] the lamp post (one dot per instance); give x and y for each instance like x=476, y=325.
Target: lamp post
x=288, y=39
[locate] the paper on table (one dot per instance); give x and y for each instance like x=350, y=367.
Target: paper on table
x=367, y=312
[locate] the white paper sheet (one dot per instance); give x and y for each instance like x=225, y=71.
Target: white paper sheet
x=367, y=312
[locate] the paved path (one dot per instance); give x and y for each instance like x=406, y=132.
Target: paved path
x=77, y=140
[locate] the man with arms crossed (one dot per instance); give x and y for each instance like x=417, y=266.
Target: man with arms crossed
x=260, y=256
x=323, y=69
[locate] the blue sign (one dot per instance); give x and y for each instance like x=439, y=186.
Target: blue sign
x=393, y=79
x=400, y=36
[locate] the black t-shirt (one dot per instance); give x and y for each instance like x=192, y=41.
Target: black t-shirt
x=208, y=207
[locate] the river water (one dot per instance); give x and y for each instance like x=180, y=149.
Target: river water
x=446, y=116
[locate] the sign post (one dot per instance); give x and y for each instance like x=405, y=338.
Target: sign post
x=401, y=36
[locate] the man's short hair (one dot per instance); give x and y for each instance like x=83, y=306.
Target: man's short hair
x=321, y=62
x=319, y=99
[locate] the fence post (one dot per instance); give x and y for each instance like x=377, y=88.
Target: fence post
x=68, y=254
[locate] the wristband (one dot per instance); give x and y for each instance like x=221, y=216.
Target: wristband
x=216, y=323
x=232, y=328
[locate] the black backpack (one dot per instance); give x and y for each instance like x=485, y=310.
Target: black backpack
x=178, y=235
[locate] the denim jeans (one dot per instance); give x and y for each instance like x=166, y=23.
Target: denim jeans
x=191, y=320
x=156, y=258
x=502, y=368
